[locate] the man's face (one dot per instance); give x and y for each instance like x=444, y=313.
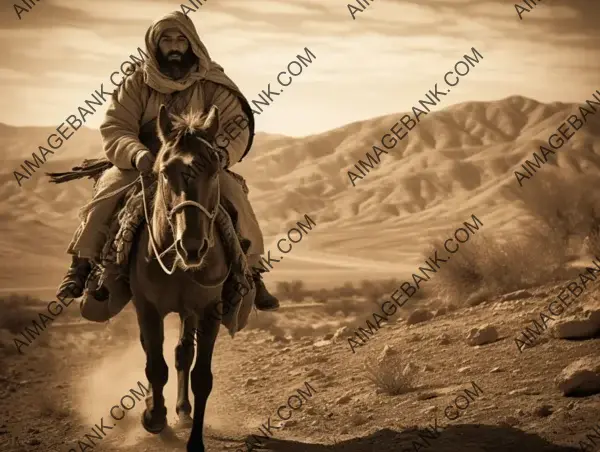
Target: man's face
x=175, y=55
x=173, y=44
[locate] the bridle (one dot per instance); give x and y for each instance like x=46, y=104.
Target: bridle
x=171, y=212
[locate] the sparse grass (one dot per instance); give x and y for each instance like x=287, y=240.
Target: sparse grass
x=388, y=376
x=487, y=266
x=17, y=312
x=558, y=209
x=562, y=202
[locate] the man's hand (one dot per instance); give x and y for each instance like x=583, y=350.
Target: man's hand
x=144, y=161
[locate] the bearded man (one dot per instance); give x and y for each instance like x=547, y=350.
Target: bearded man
x=181, y=75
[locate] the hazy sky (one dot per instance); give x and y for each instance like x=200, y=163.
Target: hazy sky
x=383, y=62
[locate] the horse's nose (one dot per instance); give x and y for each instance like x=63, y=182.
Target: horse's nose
x=192, y=250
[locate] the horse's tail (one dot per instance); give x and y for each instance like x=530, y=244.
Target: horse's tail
x=91, y=168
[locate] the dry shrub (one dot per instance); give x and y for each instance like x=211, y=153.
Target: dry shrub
x=486, y=265
x=291, y=290
x=563, y=202
x=388, y=376
x=18, y=311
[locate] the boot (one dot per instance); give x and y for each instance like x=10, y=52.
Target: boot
x=105, y=301
x=117, y=283
x=263, y=300
x=73, y=283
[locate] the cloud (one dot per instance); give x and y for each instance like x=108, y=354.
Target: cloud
x=379, y=63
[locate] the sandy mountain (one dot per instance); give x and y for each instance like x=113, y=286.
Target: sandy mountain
x=450, y=166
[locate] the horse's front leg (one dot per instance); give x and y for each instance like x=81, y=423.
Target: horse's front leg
x=202, y=378
x=184, y=355
x=154, y=418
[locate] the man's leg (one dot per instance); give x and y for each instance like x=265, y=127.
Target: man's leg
x=91, y=234
x=249, y=228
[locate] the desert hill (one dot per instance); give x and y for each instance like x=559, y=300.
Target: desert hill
x=453, y=164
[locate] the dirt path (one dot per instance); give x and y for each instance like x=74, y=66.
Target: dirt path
x=53, y=394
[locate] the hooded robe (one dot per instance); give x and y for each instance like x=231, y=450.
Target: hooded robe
x=137, y=101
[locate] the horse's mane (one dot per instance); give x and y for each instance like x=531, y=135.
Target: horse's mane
x=190, y=123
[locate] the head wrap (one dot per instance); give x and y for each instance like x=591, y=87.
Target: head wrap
x=206, y=68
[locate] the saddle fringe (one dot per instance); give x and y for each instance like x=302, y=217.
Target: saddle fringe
x=90, y=168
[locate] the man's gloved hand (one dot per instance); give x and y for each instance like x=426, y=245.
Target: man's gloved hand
x=144, y=161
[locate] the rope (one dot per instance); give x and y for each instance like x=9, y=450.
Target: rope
x=159, y=255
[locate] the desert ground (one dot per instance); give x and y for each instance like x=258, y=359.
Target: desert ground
x=457, y=335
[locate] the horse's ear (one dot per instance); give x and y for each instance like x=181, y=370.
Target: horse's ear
x=212, y=123
x=164, y=126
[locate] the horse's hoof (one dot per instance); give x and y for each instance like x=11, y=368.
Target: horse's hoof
x=152, y=425
x=191, y=447
x=185, y=421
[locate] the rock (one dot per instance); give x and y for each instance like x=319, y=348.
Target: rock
x=317, y=373
x=427, y=395
x=428, y=368
x=410, y=368
x=280, y=339
x=451, y=307
x=573, y=328
x=543, y=411
x=418, y=316
x=342, y=333
x=387, y=352
x=343, y=399
x=289, y=423
x=580, y=378
x=415, y=338
x=496, y=370
x=478, y=297
x=322, y=343
x=357, y=419
x=443, y=339
x=525, y=391
x=463, y=370
x=509, y=421
x=250, y=381
x=570, y=405
x=440, y=312
x=517, y=295
x=328, y=336
x=429, y=410
x=483, y=335
x=520, y=412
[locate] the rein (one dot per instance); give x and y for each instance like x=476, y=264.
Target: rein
x=170, y=213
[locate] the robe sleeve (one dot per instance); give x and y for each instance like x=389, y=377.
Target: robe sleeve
x=121, y=126
x=234, y=133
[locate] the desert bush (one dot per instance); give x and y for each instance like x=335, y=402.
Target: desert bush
x=18, y=311
x=388, y=376
x=320, y=295
x=291, y=290
x=533, y=256
x=562, y=202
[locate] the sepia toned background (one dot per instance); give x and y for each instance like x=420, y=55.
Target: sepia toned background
x=459, y=161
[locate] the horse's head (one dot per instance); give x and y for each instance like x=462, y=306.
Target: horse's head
x=188, y=195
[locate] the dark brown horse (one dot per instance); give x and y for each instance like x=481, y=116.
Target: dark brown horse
x=181, y=231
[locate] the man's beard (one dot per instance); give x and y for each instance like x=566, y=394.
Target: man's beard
x=176, y=69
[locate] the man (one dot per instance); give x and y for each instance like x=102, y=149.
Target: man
x=179, y=74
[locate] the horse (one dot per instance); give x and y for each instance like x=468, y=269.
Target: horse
x=184, y=211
